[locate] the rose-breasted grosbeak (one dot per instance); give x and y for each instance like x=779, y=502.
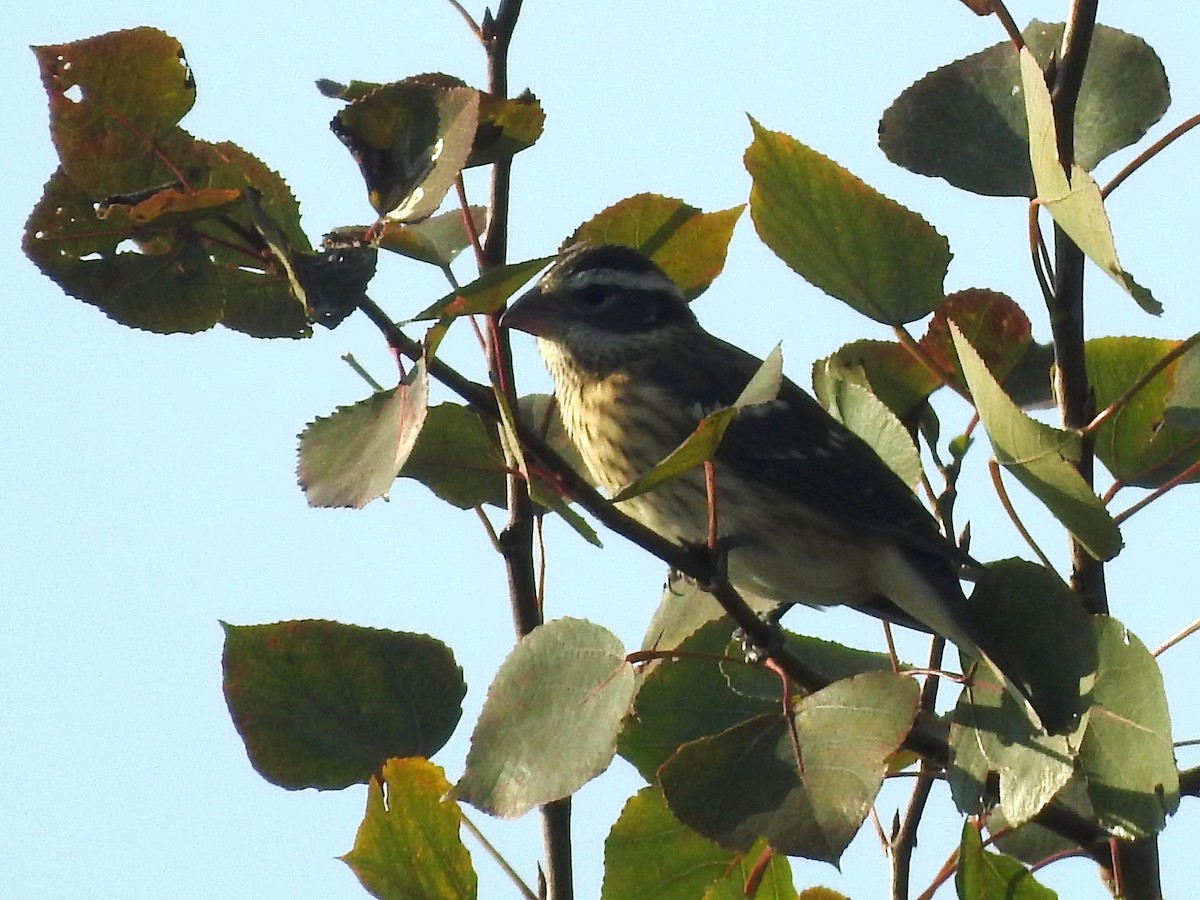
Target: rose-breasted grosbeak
x=808, y=512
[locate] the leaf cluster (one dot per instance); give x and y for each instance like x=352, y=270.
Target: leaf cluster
x=746, y=764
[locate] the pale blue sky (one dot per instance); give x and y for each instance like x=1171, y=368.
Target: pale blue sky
x=149, y=487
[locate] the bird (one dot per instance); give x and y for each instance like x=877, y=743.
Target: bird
x=808, y=512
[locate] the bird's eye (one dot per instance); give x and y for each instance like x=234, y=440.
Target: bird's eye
x=594, y=295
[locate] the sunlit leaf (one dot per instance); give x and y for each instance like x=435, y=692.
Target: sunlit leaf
x=408, y=844
x=1039, y=456
x=1137, y=444
x=892, y=374
x=982, y=874
x=1074, y=203
x=487, y=293
x=506, y=127
x=648, y=855
x=1126, y=756
x=687, y=244
x=437, y=240
x=840, y=234
x=113, y=99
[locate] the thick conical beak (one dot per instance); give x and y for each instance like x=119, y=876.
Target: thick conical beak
x=531, y=312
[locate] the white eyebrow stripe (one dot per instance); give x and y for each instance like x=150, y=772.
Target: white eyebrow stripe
x=621, y=278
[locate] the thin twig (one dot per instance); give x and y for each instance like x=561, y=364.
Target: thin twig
x=1010, y=25
x=471, y=23
x=1006, y=502
x=488, y=528
x=498, y=858
x=1146, y=155
x=348, y=359
x=710, y=488
x=1040, y=256
x=1143, y=380
x=1184, y=476
x=468, y=222
x=905, y=840
x=1176, y=638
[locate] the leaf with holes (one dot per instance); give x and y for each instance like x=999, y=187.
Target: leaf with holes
x=408, y=843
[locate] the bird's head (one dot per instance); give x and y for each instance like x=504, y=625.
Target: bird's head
x=598, y=301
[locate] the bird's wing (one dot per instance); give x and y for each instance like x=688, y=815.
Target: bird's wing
x=795, y=447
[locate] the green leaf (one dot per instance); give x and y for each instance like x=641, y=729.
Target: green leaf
x=649, y=855
x=856, y=407
x=456, y=456
x=118, y=228
x=1137, y=444
x=551, y=718
x=506, y=127
x=156, y=276
x=438, y=240
x=411, y=140
x=352, y=456
x=983, y=875
x=773, y=880
x=1045, y=637
x=840, y=234
x=888, y=370
x=687, y=244
x=1031, y=843
x=1074, y=203
x=966, y=121
x=701, y=445
x=1183, y=400
x=683, y=610
x=321, y=704
x=408, y=844
x=747, y=782
x=1126, y=756
x=112, y=99
x=685, y=698
x=1039, y=457
x=487, y=293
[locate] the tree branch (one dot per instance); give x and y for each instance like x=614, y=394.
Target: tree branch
x=1075, y=400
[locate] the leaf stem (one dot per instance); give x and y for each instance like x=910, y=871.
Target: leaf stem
x=1006, y=502
x=1176, y=638
x=491, y=851
x=1144, y=379
x=1179, y=479
x=1146, y=155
